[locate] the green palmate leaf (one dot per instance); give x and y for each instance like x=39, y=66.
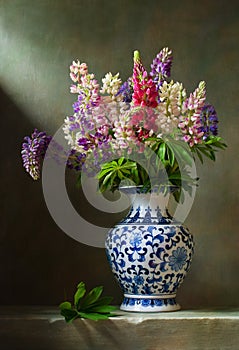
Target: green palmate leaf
x=121, y=160
x=65, y=305
x=126, y=166
x=91, y=306
x=107, y=165
x=186, y=178
x=111, y=175
x=199, y=155
x=145, y=179
x=104, y=172
x=112, y=179
x=125, y=172
x=162, y=152
x=181, y=152
x=79, y=293
x=207, y=151
x=120, y=175
x=69, y=314
x=209, y=148
x=212, y=155
x=135, y=174
x=171, y=156
x=216, y=141
x=114, y=163
x=107, y=178
x=176, y=196
x=102, y=309
x=92, y=297
x=103, y=301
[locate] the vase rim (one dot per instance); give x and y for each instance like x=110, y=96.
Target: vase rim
x=140, y=189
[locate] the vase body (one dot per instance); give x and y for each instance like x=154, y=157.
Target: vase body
x=149, y=254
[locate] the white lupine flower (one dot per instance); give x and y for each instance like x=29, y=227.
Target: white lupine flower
x=74, y=89
x=75, y=66
x=171, y=98
x=111, y=84
x=169, y=94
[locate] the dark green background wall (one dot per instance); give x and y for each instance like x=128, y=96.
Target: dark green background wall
x=38, y=262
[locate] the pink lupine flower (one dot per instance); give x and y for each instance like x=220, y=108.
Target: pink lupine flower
x=83, y=70
x=190, y=121
x=74, y=89
x=144, y=118
x=137, y=118
x=77, y=69
x=74, y=71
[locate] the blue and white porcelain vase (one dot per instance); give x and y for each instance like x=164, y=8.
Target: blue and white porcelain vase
x=149, y=253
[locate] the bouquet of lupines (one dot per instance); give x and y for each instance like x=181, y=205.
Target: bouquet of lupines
x=148, y=114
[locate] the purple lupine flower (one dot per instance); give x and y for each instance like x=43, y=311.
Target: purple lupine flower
x=86, y=143
x=126, y=90
x=91, y=141
x=87, y=121
x=75, y=160
x=209, y=121
x=77, y=106
x=33, y=152
x=100, y=138
x=74, y=124
x=161, y=66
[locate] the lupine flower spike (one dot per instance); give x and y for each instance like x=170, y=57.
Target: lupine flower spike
x=161, y=66
x=144, y=90
x=33, y=152
x=209, y=121
x=190, y=122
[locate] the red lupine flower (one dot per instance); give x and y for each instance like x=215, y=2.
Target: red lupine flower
x=145, y=92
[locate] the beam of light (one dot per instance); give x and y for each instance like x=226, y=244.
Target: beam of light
x=34, y=77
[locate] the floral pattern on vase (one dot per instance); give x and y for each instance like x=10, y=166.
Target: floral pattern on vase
x=149, y=254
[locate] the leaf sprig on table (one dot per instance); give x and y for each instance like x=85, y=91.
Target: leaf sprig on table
x=91, y=306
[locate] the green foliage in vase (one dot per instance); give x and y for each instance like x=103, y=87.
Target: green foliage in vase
x=172, y=158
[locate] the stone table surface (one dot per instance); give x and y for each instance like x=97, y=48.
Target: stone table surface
x=43, y=328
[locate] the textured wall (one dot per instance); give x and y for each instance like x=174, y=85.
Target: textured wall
x=38, y=262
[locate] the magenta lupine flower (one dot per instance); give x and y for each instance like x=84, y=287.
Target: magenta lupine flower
x=144, y=118
x=144, y=90
x=190, y=121
x=142, y=134
x=33, y=152
x=161, y=66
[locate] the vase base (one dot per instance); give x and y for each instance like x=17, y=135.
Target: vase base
x=149, y=303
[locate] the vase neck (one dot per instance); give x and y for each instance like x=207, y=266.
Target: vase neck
x=149, y=208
